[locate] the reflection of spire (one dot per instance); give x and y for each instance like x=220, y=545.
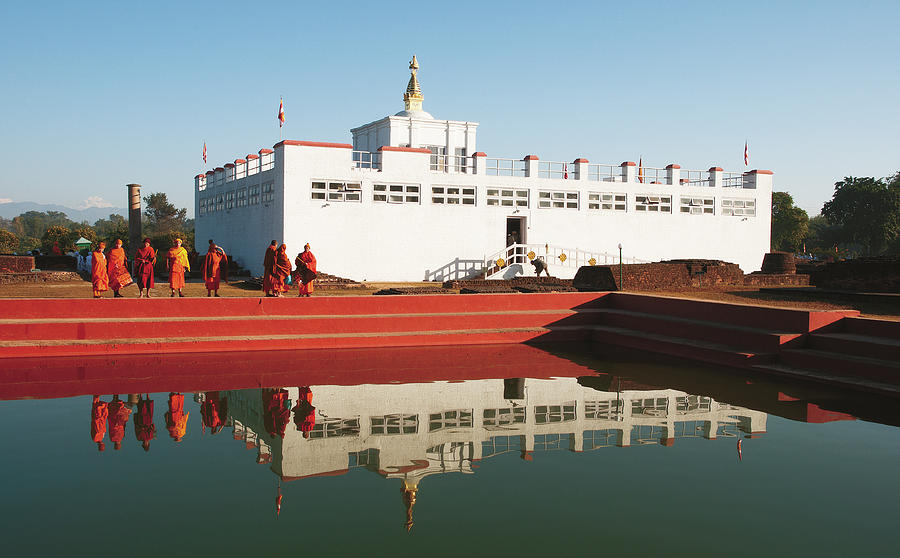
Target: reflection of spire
x=409, y=490
x=413, y=97
x=278, y=501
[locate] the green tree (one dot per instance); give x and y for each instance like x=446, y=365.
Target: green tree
x=789, y=223
x=57, y=233
x=9, y=242
x=162, y=216
x=867, y=209
x=36, y=223
x=85, y=231
x=108, y=230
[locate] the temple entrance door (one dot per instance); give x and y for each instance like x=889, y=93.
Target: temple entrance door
x=515, y=230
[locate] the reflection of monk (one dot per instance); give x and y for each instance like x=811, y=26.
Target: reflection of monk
x=276, y=411
x=176, y=418
x=118, y=418
x=304, y=412
x=213, y=410
x=99, y=413
x=144, y=429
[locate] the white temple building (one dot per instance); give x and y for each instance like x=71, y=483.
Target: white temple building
x=413, y=199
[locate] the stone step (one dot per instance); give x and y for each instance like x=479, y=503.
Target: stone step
x=856, y=344
x=839, y=364
x=854, y=382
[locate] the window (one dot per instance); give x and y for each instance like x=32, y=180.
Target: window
x=318, y=191
x=692, y=404
x=453, y=195
x=204, y=203
x=606, y=201
x=460, y=418
x=229, y=200
x=738, y=207
x=396, y=193
x=343, y=192
x=241, y=197
x=460, y=160
x=544, y=414
x=335, y=428
x=254, y=194
x=653, y=204
x=395, y=424
x=698, y=206
x=268, y=192
x=220, y=203
x=650, y=407
x=557, y=199
x=605, y=410
x=504, y=197
x=438, y=157
x=503, y=417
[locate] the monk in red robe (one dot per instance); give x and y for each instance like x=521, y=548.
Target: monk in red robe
x=282, y=270
x=177, y=264
x=144, y=260
x=304, y=412
x=144, y=429
x=176, y=418
x=306, y=271
x=214, y=411
x=118, y=272
x=99, y=413
x=276, y=411
x=215, y=268
x=99, y=275
x=269, y=268
x=118, y=418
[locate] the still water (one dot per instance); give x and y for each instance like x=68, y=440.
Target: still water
x=591, y=453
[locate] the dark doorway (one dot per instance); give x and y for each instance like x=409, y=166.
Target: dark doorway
x=515, y=230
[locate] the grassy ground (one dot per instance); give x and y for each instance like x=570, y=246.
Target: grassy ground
x=736, y=295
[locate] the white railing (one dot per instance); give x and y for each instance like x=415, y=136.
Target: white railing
x=557, y=170
x=504, y=167
x=735, y=180
x=695, y=178
x=452, y=163
x=554, y=256
x=605, y=173
x=366, y=160
x=652, y=175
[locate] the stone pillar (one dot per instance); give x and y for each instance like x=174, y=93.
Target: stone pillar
x=581, y=168
x=531, y=166
x=673, y=174
x=478, y=162
x=715, y=177
x=134, y=217
x=629, y=173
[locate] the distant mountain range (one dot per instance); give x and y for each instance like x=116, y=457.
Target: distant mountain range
x=90, y=214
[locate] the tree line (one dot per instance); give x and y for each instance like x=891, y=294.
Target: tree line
x=161, y=221
x=861, y=219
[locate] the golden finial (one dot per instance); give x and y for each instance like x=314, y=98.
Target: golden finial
x=413, y=97
x=409, y=491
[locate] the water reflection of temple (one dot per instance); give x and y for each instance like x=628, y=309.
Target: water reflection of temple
x=410, y=431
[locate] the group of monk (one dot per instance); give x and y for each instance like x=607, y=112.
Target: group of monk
x=112, y=417
x=278, y=274
x=277, y=411
x=110, y=270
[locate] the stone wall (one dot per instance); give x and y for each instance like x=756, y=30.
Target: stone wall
x=42, y=277
x=879, y=274
x=16, y=264
x=678, y=274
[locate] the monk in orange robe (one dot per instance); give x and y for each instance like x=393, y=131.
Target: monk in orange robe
x=215, y=268
x=118, y=418
x=281, y=272
x=118, y=272
x=99, y=276
x=176, y=418
x=269, y=268
x=144, y=429
x=306, y=271
x=214, y=409
x=177, y=263
x=144, y=260
x=99, y=413
x=276, y=411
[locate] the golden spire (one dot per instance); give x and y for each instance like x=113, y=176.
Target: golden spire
x=409, y=490
x=413, y=97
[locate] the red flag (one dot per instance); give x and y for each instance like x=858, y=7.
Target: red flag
x=746, y=154
x=281, y=113
x=566, y=171
x=641, y=170
x=204, y=152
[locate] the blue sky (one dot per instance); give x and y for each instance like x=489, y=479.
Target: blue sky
x=97, y=95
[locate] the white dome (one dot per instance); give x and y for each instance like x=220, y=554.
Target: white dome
x=415, y=114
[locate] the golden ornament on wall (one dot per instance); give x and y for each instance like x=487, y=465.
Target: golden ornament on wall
x=531, y=255
x=592, y=261
x=500, y=262
x=563, y=258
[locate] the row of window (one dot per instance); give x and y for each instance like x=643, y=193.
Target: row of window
x=520, y=198
x=242, y=197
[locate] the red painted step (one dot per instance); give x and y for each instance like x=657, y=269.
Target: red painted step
x=875, y=328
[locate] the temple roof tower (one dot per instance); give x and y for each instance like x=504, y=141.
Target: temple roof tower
x=413, y=97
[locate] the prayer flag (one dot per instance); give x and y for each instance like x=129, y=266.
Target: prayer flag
x=746, y=154
x=281, y=113
x=204, y=152
x=641, y=170
x=566, y=171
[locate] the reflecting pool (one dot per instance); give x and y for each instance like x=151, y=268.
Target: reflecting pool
x=451, y=451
